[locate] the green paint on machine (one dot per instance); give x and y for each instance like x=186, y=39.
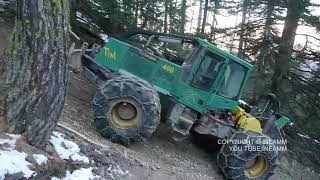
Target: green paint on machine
x=282, y=121
x=209, y=79
x=165, y=76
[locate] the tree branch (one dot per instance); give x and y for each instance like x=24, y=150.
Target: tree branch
x=307, y=35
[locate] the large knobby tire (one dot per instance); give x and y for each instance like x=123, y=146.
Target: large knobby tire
x=126, y=110
x=245, y=162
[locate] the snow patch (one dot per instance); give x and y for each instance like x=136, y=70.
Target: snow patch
x=40, y=158
x=243, y=102
x=77, y=157
x=116, y=170
x=80, y=174
x=13, y=161
x=9, y=142
x=65, y=148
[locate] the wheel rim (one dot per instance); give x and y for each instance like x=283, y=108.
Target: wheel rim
x=256, y=167
x=124, y=114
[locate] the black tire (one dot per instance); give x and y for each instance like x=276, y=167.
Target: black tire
x=240, y=163
x=140, y=95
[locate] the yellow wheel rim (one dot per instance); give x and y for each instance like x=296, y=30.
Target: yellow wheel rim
x=256, y=167
x=124, y=114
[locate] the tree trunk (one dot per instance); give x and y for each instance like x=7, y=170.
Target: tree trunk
x=183, y=16
x=33, y=72
x=243, y=23
x=144, y=14
x=295, y=8
x=266, y=35
x=199, y=16
x=212, y=33
x=214, y=20
x=165, y=24
x=172, y=14
x=136, y=13
x=205, y=13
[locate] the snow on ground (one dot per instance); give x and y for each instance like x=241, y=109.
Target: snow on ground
x=66, y=149
x=116, y=170
x=11, y=142
x=70, y=150
x=77, y=157
x=80, y=174
x=40, y=158
x=13, y=161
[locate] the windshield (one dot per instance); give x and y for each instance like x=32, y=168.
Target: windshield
x=232, y=80
x=208, y=71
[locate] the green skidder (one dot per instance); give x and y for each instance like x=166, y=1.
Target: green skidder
x=194, y=86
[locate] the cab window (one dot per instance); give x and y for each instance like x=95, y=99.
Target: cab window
x=208, y=71
x=187, y=65
x=232, y=80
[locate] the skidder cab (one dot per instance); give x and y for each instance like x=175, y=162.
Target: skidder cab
x=189, y=83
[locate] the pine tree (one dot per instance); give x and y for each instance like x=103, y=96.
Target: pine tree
x=295, y=9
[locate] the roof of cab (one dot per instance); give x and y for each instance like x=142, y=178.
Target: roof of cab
x=226, y=54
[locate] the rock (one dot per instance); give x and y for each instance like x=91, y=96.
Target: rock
x=14, y=176
x=77, y=162
x=142, y=163
x=173, y=171
x=125, y=153
x=99, y=170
